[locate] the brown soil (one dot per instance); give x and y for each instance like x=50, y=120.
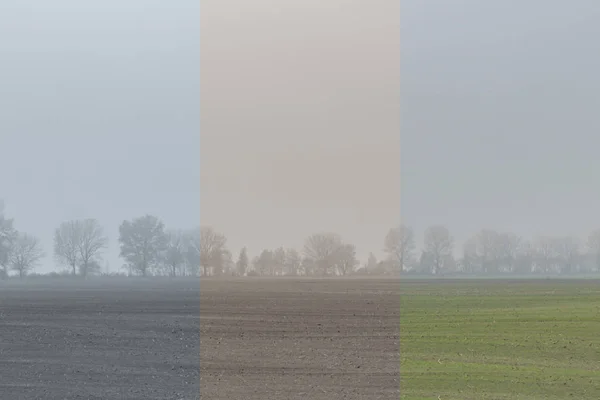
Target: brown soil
x=284, y=339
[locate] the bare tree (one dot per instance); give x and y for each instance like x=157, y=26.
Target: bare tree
x=91, y=244
x=508, y=250
x=593, y=246
x=263, y=264
x=26, y=253
x=546, y=255
x=371, y=264
x=225, y=264
x=143, y=241
x=174, y=256
x=212, y=249
x=66, y=245
x=470, y=262
x=438, y=247
x=79, y=244
x=557, y=254
x=524, y=257
x=488, y=250
x=399, y=244
x=8, y=236
x=321, y=249
x=345, y=260
x=567, y=252
x=307, y=266
x=192, y=251
x=491, y=251
x=278, y=261
x=293, y=262
x=242, y=262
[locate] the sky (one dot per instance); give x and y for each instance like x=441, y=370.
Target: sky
x=301, y=113
x=100, y=114
x=300, y=121
x=499, y=116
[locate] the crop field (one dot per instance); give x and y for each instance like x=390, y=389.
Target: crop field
x=275, y=339
x=531, y=339
x=120, y=339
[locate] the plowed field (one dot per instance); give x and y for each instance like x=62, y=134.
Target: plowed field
x=285, y=339
x=130, y=339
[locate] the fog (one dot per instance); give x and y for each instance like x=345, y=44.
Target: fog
x=101, y=111
x=100, y=115
x=300, y=122
x=498, y=117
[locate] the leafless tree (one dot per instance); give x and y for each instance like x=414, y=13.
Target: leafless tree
x=371, y=264
x=593, y=246
x=321, y=249
x=400, y=245
x=263, y=263
x=242, y=262
x=79, y=244
x=545, y=254
x=567, y=252
x=438, y=247
x=192, y=241
x=488, y=250
x=8, y=235
x=91, y=244
x=212, y=249
x=470, y=262
x=66, y=244
x=143, y=242
x=278, y=261
x=175, y=253
x=307, y=266
x=293, y=262
x=509, y=247
x=26, y=253
x=223, y=263
x=524, y=257
x=345, y=259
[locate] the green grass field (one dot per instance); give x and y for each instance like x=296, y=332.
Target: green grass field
x=500, y=340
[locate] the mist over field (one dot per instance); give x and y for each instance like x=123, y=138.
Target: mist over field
x=498, y=122
x=498, y=119
x=300, y=122
x=99, y=200
x=300, y=200
x=100, y=113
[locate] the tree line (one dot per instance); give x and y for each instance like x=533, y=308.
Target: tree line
x=491, y=252
x=146, y=246
x=323, y=254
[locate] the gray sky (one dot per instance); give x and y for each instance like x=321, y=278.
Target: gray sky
x=499, y=116
x=300, y=121
x=100, y=113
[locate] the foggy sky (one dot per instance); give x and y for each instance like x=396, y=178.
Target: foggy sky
x=100, y=114
x=499, y=124
x=300, y=121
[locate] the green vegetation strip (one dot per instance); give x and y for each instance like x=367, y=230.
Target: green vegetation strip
x=482, y=340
